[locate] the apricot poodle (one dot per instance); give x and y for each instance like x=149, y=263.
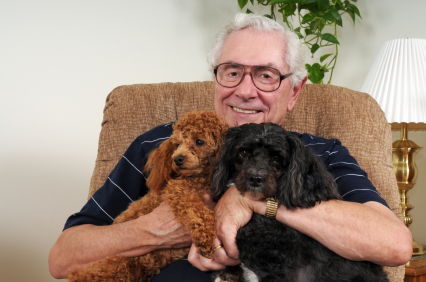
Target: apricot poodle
x=179, y=173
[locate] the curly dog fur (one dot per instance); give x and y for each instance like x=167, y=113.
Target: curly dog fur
x=263, y=161
x=179, y=172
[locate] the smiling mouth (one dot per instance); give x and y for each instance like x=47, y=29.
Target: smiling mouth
x=245, y=111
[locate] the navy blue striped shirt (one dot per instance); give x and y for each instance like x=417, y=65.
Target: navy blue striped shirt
x=126, y=183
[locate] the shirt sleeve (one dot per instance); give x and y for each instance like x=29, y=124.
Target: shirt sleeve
x=125, y=184
x=353, y=183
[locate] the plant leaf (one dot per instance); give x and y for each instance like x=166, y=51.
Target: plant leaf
x=273, y=2
x=321, y=25
x=314, y=48
x=308, y=67
x=288, y=10
x=316, y=74
x=308, y=18
x=249, y=11
x=314, y=25
x=329, y=17
x=324, y=57
x=268, y=16
x=251, y=1
x=351, y=14
x=242, y=3
x=308, y=31
x=315, y=71
x=330, y=38
x=354, y=9
x=309, y=6
x=336, y=16
x=339, y=5
x=323, y=5
x=297, y=29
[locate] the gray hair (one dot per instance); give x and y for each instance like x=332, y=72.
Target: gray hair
x=294, y=54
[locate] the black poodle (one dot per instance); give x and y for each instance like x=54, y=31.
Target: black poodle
x=265, y=161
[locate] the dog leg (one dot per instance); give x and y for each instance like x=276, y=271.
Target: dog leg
x=143, y=206
x=123, y=269
x=231, y=274
x=109, y=270
x=191, y=211
x=120, y=268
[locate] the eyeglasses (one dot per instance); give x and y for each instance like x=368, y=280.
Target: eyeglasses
x=264, y=78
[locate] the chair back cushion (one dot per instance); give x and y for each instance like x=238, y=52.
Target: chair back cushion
x=328, y=111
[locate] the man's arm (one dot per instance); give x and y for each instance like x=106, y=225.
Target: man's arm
x=355, y=231
x=85, y=244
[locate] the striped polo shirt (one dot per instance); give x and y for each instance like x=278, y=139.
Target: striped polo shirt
x=126, y=183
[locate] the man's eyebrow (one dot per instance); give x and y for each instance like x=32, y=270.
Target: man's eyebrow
x=271, y=65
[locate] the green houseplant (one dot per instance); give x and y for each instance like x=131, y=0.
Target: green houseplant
x=318, y=21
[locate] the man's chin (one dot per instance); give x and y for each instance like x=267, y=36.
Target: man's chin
x=254, y=119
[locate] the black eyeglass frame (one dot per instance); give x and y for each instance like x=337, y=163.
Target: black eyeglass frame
x=282, y=77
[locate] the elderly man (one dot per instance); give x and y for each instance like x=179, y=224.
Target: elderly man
x=259, y=72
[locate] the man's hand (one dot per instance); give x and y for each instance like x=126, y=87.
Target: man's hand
x=219, y=261
x=232, y=212
x=84, y=244
x=164, y=227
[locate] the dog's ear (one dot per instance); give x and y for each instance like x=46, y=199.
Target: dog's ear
x=159, y=166
x=306, y=180
x=217, y=137
x=222, y=170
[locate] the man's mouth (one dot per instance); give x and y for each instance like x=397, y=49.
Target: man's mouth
x=245, y=111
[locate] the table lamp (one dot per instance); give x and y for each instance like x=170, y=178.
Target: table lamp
x=397, y=80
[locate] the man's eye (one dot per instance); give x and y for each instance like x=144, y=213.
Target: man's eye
x=199, y=142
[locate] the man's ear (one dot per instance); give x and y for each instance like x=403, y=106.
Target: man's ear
x=296, y=91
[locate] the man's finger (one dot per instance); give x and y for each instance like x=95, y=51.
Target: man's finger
x=228, y=242
x=222, y=257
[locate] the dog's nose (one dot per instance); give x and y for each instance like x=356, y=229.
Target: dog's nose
x=179, y=160
x=255, y=180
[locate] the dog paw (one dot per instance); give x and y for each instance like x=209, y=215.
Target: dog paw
x=224, y=279
x=230, y=274
x=205, y=253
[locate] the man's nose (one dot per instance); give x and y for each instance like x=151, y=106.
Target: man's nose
x=246, y=89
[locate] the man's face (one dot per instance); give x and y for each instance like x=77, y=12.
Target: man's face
x=245, y=103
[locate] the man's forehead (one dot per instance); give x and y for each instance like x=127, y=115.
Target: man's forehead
x=269, y=64
x=249, y=47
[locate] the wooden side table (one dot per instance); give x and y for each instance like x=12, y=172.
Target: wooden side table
x=415, y=271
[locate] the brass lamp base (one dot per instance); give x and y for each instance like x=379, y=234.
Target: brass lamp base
x=403, y=154
x=418, y=249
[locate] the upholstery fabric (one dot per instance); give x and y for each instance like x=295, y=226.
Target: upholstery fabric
x=328, y=111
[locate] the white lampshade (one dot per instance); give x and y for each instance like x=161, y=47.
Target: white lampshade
x=397, y=80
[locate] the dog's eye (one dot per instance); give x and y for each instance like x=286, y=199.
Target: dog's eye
x=199, y=142
x=243, y=153
x=276, y=159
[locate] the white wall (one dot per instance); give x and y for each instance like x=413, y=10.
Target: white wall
x=59, y=60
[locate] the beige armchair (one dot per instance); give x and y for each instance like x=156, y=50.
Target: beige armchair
x=323, y=110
